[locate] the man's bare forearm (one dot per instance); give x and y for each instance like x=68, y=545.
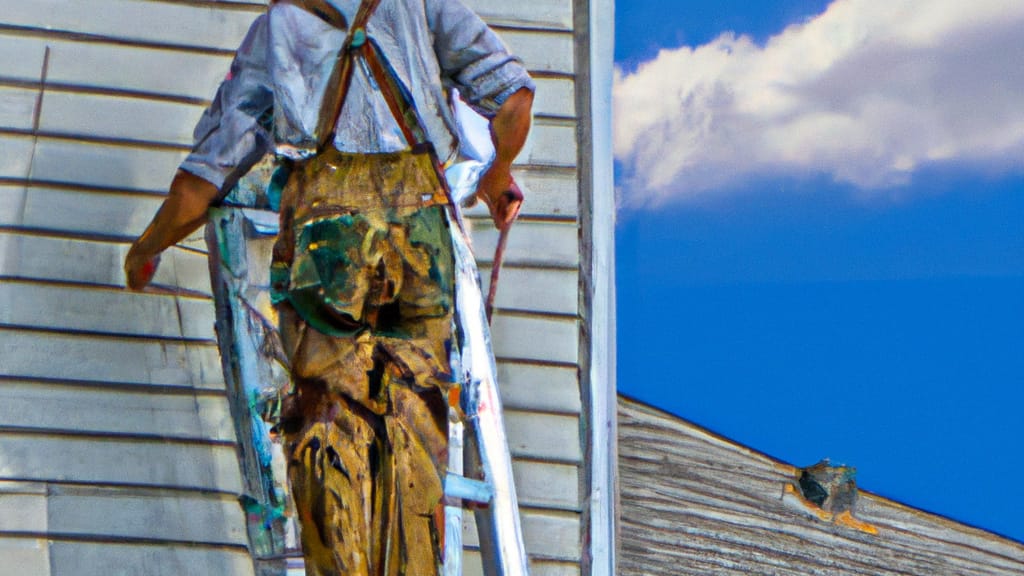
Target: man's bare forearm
x=182, y=213
x=511, y=126
x=509, y=129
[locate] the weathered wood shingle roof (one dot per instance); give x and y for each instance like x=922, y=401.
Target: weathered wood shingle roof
x=695, y=503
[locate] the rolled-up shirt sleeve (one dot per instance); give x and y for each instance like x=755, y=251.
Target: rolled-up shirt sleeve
x=234, y=131
x=473, y=58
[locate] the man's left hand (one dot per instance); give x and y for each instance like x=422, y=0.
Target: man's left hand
x=500, y=193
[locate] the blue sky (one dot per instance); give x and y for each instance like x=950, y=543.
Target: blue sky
x=821, y=236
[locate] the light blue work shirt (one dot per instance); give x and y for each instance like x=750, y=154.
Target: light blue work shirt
x=271, y=100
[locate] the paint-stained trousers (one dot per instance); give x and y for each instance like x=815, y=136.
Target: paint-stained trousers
x=366, y=427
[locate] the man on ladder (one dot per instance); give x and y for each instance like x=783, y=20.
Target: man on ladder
x=352, y=96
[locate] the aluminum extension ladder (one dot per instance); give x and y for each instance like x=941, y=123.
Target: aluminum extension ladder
x=479, y=469
x=485, y=450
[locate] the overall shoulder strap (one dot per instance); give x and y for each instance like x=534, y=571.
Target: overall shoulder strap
x=321, y=8
x=341, y=77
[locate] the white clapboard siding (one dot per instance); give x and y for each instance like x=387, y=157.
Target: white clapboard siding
x=137, y=416
x=87, y=309
x=541, y=50
x=110, y=214
x=539, y=388
x=32, y=354
x=472, y=566
x=118, y=117
x=547, y=244
x=538, y=289
x=542, y=484
x=550, y=437
x=56, y=259
x=555, y=97
x=548, y=535
x=126, y=513
x=108, y=410
x=551, y=14
x=144, y=21
x=114, y=461
x=549, y=192
x=544, y=339
x=24, y=556
x=156, y=73
x=15, y=153
x=102, y=559
x=16, y=107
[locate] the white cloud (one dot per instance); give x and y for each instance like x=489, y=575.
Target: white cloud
x=867, y=92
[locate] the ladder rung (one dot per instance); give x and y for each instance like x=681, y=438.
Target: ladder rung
x=478, y=491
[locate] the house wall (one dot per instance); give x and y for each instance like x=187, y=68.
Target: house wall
x=117, y=451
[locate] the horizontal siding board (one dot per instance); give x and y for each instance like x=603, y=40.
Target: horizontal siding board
x=555, y=97
x=102, y=461
x=158, y=72
x=122, y=513
x=207, y=27
x=550, y=143
x=23, y=57
x=136, y=20
x=543, y=436
x=17, y=107
x=79, y=212
x=547, y=485
x=472, y=565
x=22, y=508
x=535, y=289
x=15, y=156
x=541, y=339
x=547, y=13
x=542, y=51
x=99, y=559
x=90, y=310
x=99, y=410
x=93, y=262
x=539, y=388
x=178, y=517
x=550, y=244
x=12, y=203
x=108, y=166
x=548, y=193
x=540, y=568
x=552, y=536
x=43, y=355
x=24, y=557
x=119, y=117
x=138, y=69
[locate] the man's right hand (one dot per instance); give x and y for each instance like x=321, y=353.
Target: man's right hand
x=501, y=195
x=182, y=213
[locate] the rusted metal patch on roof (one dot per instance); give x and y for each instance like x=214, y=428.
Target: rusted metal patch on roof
x=827, y=493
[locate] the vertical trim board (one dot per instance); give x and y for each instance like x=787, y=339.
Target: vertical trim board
x=595, y=34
